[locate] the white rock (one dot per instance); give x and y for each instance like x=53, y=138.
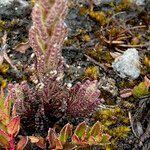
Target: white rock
x=128, y=64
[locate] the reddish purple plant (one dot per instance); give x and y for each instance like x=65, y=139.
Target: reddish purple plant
x=50, y=99
x=47, y=34
x=83, y=100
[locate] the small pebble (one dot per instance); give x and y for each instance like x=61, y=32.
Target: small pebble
x=128, y=64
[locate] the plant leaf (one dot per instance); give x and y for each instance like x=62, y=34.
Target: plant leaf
x=105, y=138
x=52, y=136
x=65, y=133
x=59, y=145
x=3, y=117
x=22, y=47
x=22, y=143
x=75, y=139
x=4, y=139
x=34, y=139
x=92, y=140
x=14, y=126
x=7, y=105
x=80, y=130
x=39, y=141
x=96, y=129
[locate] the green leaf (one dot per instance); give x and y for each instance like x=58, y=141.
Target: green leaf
x=7, y=105
x=105, y=139
x=4, y=117
x=3, y=127
x=80, y=130
x=4, y=139
x=96, y=129
x=65, y=133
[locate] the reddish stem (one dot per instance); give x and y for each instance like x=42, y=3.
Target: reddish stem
x=11, y=142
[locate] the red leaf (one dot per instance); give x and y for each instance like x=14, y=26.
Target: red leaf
x=65, y=133
x=14, y=126
x=52, y=136
x=77, y=141
x=58, y=144
x=22, y=143
x=39, y=141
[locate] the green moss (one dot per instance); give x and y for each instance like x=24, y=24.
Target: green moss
x=124, y=5
x=100, y=55
x=8, y=25
x=4, y=68
x=99, y=17
x=116, y=123
x=140, y=90
x=92, y=72
x=110, y=117
x=120, y=132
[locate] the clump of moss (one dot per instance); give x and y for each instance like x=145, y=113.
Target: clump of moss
x=115, y=122
x=101, y=55
x=110, y=117
x=8, y=25
x=124, y=5
x=4, y=68
x=120, y=132
x=3, y=71
x=140, y=90
x=92, y=72
x=86, y=38
x=126, y=84
x=99, y=17
x=146, y=60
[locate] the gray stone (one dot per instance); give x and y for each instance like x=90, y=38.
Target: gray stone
x=128, y=64
x=14, y=8
x=5, y=2
x=140, y=2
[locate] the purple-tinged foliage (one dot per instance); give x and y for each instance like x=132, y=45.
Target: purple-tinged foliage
x=83, y=100
x=49, y=100
x=24, y=96
x=47, y=34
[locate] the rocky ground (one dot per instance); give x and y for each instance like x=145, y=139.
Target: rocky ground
x=107, y=41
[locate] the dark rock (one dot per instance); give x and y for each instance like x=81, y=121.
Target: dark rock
x=14, y=8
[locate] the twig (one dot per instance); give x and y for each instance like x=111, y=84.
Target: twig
x=133, y=46
x=95, y=62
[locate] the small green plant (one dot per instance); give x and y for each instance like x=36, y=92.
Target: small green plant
x=82, y=137
x=115, y=122
x=140, y=90
x=9, y=125
x=120, y=132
